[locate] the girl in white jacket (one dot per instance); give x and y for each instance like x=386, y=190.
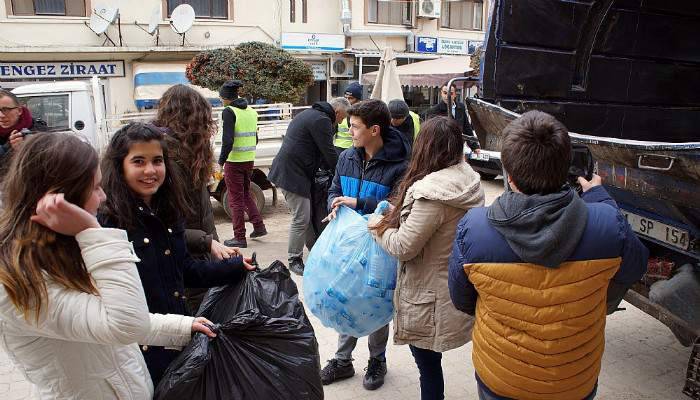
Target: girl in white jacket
x=71, y=303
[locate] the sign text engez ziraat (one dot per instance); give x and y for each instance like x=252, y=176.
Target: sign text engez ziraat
x=57, y=70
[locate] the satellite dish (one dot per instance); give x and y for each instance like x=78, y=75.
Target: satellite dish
x=102, y=17
x=182, y=18
x=154, y=21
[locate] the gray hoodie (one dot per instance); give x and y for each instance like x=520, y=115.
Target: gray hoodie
x=541, y=229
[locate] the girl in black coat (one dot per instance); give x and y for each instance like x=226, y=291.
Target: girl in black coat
x=146, y=198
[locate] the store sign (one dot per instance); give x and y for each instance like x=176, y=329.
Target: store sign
x=320, y=70
x=425, y=44
x=57, y=70
x=453, y=46
x=473, y=45
x=313, y=42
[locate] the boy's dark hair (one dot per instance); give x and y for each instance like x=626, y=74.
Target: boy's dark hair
x=372, y=112
x=536, y=153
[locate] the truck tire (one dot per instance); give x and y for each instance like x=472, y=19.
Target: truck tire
x=255, y=191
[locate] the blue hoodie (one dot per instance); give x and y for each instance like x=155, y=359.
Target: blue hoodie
x=371, y=181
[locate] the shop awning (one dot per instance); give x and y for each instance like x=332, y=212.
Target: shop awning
x=431, y=73
x=151, y=80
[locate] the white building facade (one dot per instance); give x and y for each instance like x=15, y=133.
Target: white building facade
x=51, y=40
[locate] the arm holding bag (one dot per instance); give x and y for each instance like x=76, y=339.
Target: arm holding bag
x=265, y=346
x=349, y=279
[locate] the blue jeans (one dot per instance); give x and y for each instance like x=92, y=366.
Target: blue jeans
x=486, y=394
x=432, y=385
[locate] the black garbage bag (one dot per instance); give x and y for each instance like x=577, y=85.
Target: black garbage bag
x=319, y=199
x=265, y=346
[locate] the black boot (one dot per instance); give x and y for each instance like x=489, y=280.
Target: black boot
x=374, y=378
x=258, y=233
x=296, y=265
x=336, y=370
x=240, y=243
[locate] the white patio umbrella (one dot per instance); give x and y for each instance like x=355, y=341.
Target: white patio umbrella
x=387, y=86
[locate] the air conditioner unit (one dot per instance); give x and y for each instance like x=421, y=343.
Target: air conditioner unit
x=429, y=9
x=342, y=67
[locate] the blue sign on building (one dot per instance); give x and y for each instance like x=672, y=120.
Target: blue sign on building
x=425, y=44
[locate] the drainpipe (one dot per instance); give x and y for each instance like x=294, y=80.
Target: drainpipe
x=346, y=20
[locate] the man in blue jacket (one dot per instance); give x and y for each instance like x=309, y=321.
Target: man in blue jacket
x=540, y=268
x=365, y=175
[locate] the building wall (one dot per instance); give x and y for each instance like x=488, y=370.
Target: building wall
x=43, y=39
x=247, y=24
x=420, y=27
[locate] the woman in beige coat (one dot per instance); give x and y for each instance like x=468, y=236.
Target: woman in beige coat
x=436, y=192
x=72, y=308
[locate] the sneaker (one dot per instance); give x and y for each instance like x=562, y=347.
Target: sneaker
x=335, y=371
x=374, y=378
x=258, y=233
x=296, y=265
x=240, y=243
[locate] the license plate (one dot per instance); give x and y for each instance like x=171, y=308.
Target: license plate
x=658, y=230
x=479, y=156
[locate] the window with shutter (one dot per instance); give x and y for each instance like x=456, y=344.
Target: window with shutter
x=61, y=8
x=214, y=9
x=462, y=14
x=389, y=12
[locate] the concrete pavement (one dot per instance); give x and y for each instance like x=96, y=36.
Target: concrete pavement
x=642, y=359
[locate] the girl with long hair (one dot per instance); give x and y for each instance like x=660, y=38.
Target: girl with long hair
x=145, y=197
x=185, y=116
x=439, y=187
x=72, y=308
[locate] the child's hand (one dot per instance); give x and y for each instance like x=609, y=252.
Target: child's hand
x=203, y=325
x=344, y=200
x=56, y=213
x=586, y=185
x=248, y=264
x=220, y=252
x=331, y=216
x=374, y=221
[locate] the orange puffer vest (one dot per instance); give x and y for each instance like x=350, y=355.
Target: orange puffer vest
x=540, y=332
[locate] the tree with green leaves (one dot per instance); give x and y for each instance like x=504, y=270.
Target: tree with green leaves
x=267, y=72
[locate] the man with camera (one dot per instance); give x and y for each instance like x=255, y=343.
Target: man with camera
x=15, y=122
x=540, y=268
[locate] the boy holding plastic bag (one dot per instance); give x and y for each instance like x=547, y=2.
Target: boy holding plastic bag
x=365, y=175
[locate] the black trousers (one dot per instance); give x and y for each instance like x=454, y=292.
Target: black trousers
x=432, y=384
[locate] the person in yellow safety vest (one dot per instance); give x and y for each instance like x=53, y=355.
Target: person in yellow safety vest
x=239, y=138
x=343, y=140
x=404, y=120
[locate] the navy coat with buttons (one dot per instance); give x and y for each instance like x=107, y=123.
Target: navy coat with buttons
x=165, y=269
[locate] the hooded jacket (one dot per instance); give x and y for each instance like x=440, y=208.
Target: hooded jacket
x=539, y=278
x=84, y=346
x=371, y=181
x=307, y=143
x=423, y=312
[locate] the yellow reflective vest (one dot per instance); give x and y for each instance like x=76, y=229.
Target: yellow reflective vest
x=416, y=123
x=244, y=135
x=343, y=139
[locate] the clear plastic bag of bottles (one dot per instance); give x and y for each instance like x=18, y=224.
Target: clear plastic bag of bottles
x=349, y=280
